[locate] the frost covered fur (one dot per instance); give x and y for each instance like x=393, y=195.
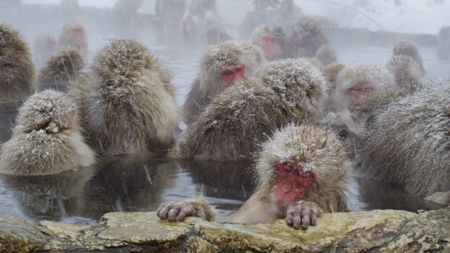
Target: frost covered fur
x=47, y=138
x=63, y=67
x=309, y=38
x=316, y=150
x=408, y=48
x=407, y=144
x=406, y=71
x=17, y=76
x=66, y=39
x=234, y=125
x=127, y=101
x=208, y=84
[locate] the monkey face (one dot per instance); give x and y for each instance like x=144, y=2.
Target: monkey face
x=291, y=182
x=229, y=76
x=359, y=92
x=77, y=33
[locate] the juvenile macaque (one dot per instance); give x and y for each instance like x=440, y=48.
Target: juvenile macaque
x=407, y=143
x=406, y=71
x=301, y=173
x=47, y=138
x=127, y=101
x=73, y=35
x=410, y=49
x=305, y=38
x=221, y=66
x=17, y=76
x=43, y=49
x=237, y=121
x=63, y=67
x=272, y=42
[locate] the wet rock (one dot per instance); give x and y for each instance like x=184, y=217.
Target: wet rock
x=17, y=235
x=375, y=231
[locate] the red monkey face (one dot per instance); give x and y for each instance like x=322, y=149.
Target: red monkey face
x=78, y=35
x=359, y=91
x=232, y=75
x=291, y=183
x=269, y=46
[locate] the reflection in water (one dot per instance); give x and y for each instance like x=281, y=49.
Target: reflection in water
x=51, y=197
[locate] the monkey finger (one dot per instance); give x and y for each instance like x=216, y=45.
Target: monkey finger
x=297, y=221
x=290, y=220
x=173, y=213
x=313, y=219
x=201, y=213
x=305, y=221
x=184, y=211
x=163, y=211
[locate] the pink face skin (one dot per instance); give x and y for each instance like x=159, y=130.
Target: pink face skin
x=269, y=46
x=232, y=75
x=359, y=91
x=78, y=35
x=291, y=183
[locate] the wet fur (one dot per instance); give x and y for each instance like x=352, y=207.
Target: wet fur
x=17, y=75
x=127, y=101
x=47, y=138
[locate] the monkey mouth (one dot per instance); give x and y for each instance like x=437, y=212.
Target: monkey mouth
x=359, y=91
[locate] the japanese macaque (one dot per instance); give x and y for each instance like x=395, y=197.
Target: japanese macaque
x=221, y=66
x=43, y=48
x=410, y=49
x=301, y=173
x=73, y=35
x=47, y=139
x=326, y=55
x=63, y=67
x=406, y=71
x=127, y=101
x=201, y=17
x=272, y=42
x=305, y=38
x=236, y=122
x=17, y=75
x=444, y=43
x=407, y=143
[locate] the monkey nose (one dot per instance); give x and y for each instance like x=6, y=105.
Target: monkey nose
x=287, y=187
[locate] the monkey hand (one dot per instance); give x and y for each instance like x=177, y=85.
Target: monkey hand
x=177, y=211
x=303, y=214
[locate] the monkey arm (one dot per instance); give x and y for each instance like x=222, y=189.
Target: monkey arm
x=303, y=214
x=177, y=211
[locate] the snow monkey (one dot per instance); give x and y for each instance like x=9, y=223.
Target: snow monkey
x=444, y=43
x=406, y=71
x=306, y=38
x=407, y=143
x=410, y=49
x=237, y=121
x=272, y=42
x=62, y=67
x=17, y=76
x=301, y=173
x=47, y=139
x=127, y=101
x=73, y=35
x=326, y=55
x=221, y=66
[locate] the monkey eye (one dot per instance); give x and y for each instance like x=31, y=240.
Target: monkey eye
x=239, y=69
x=227, y=73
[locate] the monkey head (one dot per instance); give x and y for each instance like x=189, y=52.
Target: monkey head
x=63, y=65
x=406, y=71
x=355, y=84
x=75, y=33
x=48, y=110
x=299, y=160
x=305, y=38
x=271, y=42
x=408, y=48
x=326, y=55
x=228, y=62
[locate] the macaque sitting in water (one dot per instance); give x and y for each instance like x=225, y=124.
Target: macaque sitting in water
x=306, y=38
x=301, y=174
x=408, y=48
x=221, y=66
x=73, y=35
x=272, y=42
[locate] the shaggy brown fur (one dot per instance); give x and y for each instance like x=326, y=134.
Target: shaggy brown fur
x=317, y=151
x=60, y=69
x=326, y=55
x=407, y=143
x=407, y=73
x=208, y=84
x=67, y=39
x=47, y=139
x=236, y=122
x=17, y=76
x=408, y=48
x=276, y=35
x=127, y=100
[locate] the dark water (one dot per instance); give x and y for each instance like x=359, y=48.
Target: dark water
x=137, y=183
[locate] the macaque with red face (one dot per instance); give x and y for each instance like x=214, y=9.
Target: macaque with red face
x=272, y=42
x=301, y=173
x=221, y=66
x=73, y=35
